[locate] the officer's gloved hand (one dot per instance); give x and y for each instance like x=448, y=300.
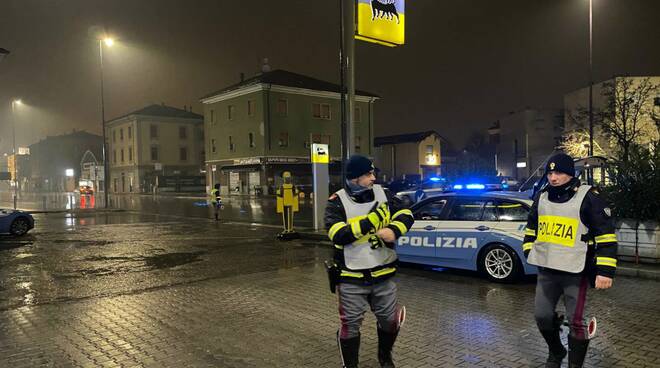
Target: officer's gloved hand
x=380, y=216
x=376, y=242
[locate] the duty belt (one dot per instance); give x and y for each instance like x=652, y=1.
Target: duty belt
x=371, y=274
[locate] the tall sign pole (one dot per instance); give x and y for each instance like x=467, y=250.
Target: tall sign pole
x=349, y=62
x=590, y=172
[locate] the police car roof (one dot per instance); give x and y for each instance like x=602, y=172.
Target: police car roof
x=519, y=196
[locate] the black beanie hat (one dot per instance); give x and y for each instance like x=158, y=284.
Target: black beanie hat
x=561, y=162
x=357, y=166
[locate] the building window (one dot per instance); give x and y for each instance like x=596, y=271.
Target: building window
x=230, y=112
x=429, y=149
x=321, y=138
x=130, y=132
x=282, y=107
x=183, y=132
x=357, y=116
x=251, y=140
x=212, y=145
x=231, y=145
x=154, y=153
x=183, y=154
x=212, y=113
x=130, y=153
x=250, y=107
x=321, y=111
x=121, y=134
x=284, y=140
x=114, y=156
x=358, y=142
x=153, y=131
x=121, y=155
x=114, y=136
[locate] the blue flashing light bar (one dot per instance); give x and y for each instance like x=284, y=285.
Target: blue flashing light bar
x=475, y=186
x=458, y=187
x=435, y=179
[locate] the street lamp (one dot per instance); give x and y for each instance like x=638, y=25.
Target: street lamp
x=106, y=174
x=13, y=125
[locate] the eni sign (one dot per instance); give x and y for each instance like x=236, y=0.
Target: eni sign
x=381, y=22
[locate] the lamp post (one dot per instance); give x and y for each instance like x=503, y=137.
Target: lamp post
x=106, y=172
x=13, y=126
x=591, y=92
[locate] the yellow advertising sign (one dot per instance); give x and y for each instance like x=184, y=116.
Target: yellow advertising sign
x=320, y=154
x=381, y=22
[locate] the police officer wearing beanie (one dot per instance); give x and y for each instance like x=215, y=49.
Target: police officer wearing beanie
x=570, y=237
x=363, y=221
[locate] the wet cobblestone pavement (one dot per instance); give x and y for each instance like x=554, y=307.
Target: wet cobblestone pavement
x=132, y=290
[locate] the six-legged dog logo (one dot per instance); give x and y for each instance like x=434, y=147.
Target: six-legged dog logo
x=384, y=9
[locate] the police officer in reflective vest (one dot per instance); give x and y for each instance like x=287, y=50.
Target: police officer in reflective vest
x=216, y=201
x=570, y=236
x=364, y=221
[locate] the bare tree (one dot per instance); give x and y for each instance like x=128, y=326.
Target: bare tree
x=626, y=118
x=576, y=144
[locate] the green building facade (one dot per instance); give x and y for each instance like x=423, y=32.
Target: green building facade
x=258, y=128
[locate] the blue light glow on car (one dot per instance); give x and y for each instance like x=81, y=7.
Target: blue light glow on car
x=436, y=179
x=475, y=186
x=458, y=186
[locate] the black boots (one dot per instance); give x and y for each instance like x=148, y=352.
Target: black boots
x=349, y=350
x=385, y=344
x=556, y=350
x=577, y=350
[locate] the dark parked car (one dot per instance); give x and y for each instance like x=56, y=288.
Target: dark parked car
x=15, y=222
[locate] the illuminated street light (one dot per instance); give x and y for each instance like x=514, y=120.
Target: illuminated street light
x=106, y=175
x=13, y=125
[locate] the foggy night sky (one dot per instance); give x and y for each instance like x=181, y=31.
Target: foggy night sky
x=465, y=63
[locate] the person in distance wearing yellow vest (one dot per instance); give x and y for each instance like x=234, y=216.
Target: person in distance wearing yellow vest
x=216, y=201
x=364, y=221
x=570, y=236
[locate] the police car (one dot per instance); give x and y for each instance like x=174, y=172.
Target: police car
x=430, y=187
x=479, y=231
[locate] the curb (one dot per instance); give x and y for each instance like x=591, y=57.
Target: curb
x=638, y=272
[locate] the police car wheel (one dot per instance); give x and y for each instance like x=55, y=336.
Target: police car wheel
x=499, y=263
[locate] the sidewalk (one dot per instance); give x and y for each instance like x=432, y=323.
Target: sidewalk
x=629, y=269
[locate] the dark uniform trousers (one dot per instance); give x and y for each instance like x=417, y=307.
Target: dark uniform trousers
x=354, y=300
x=550, y=286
